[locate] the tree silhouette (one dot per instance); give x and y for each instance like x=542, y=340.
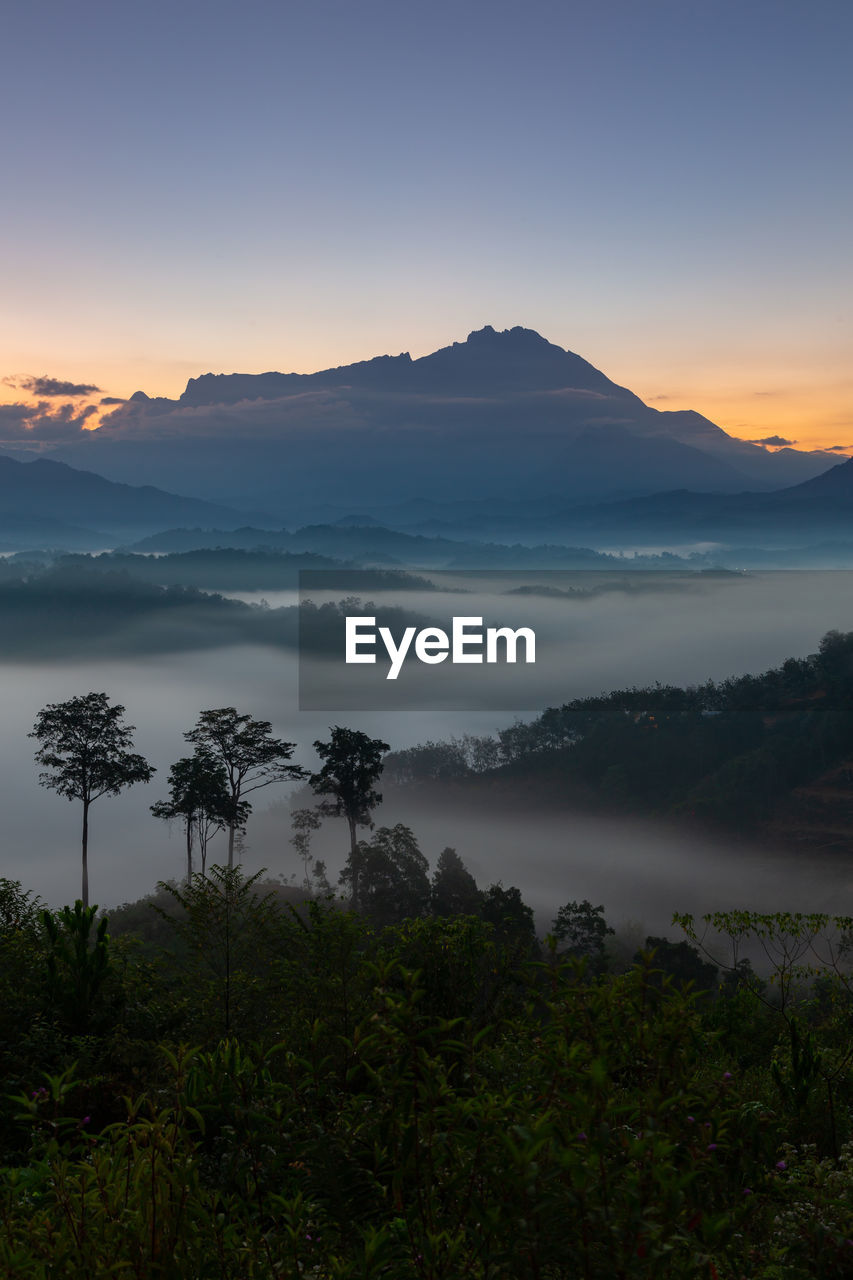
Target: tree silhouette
x=85, y=753
x=394, y=876
x=352, y=765
x=582, y=930
x=200, y=795
x=305, y=822
x=78, y=962
x=251, y=756
x=454, y=889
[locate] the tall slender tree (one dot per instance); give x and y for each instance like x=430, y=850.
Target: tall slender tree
x=85, y=751
x=199, y=795
x=352, y=763
x=251, y=756
x=305, y=822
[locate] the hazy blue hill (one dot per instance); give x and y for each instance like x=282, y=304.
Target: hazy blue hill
x=48, y=494
x=372, y=545
x=835, y=485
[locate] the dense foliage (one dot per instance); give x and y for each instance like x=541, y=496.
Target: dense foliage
x=267, y=1091
x=727, y=752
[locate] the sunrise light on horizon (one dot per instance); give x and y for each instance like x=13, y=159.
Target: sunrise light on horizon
x=655, y=187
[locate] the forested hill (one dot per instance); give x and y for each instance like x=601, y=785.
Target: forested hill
x=771, y=751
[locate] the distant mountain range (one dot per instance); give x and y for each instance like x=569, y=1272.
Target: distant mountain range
x=502, y=418
x=45, y=502
x=49, y=504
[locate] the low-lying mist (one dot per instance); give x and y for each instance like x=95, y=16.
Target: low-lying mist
x=717, y=627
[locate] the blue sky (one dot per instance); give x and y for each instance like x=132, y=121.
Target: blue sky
x=662, y=187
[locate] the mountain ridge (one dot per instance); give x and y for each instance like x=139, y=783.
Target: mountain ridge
x=504, y=415
x=68, y=502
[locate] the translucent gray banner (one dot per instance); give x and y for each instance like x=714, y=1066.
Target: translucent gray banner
x=515, y=640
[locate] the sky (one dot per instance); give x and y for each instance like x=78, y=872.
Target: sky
x=662, y=186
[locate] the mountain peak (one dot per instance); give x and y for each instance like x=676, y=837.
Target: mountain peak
x=507, y=361
x=516, y=337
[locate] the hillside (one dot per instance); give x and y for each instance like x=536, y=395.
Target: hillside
x=47, y=501
x=768, y=755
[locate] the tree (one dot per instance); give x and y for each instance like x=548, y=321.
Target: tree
x=509, y=914
x=352, y=765
x=394, y=876
x=305, y=822
x=200, y=795
x=78, y=963
x=85, y=750
x=682, y=963
x=454, y=889
x=229, y=928
x=251, y=756
x=582, y=930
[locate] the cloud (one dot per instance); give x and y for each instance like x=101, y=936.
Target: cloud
x=297, y=415
x=42, y=422
x=777, y=441
x=112, y=400
x=45, y=386
x=837, y=448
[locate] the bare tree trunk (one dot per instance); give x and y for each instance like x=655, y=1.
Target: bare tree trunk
x=353, y=842
x=189, y=854
x=231, y=830
x=85, y=889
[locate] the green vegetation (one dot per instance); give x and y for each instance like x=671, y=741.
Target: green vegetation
x=727, y=753
x=272, y=1091
x=239, y=1079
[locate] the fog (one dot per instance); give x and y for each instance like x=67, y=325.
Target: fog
x=714, y=628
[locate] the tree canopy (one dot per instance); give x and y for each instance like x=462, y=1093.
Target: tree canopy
x=251, y=756
x=85, y=751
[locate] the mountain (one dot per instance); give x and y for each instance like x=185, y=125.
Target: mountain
x=501, y=417
x=819, y=508
x=487, y=363
x=834, y=487
x=51, y=503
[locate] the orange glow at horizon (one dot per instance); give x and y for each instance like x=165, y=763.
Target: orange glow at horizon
x=789, y=407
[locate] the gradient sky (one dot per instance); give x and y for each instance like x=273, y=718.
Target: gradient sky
x=663, y=186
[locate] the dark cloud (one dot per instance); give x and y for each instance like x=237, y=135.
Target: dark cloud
x=45, y=386
x=42, y=422
x=651, y=398
x=837, y=448
x=301, y=414
x=778, y=441
x=112, y=400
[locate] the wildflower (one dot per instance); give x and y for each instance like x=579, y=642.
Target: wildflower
x=691, y=1120
x=747, y=1191
x=781, y=1165
x=727, y=1075
x=712, y=1146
